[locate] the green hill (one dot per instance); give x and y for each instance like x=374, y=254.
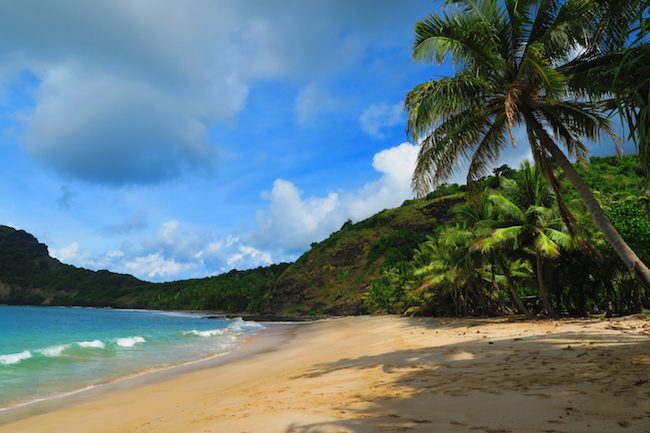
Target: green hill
x=332, y=277
x=28, y=275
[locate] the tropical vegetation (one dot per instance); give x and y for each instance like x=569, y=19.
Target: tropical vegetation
x=526, y=64
x=508, y=250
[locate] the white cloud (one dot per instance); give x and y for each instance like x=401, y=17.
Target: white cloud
x=155, y=266
x=246, y=255
x=292, y=222
x=378, y=117
x=128, y=92
x=178, y=251
x=66, y=254
x=396, y=166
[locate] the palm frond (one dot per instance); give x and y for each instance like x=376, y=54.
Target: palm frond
x=435, y=101
x=545, y=246
x=562, y=239
x=570, y=28
x=537, y=68
x=506, y=208
x=616, y=20
x=463, y=37
x=501, y=236
x=443, y=148
x=487, y=151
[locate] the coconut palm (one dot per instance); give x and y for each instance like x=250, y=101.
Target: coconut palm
x=449, y=268
x=476, y=216
x=526, y=222
x=509, y=56
x=451, y=264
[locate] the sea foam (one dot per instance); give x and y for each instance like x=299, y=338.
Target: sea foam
x=53, y=351
x=239, y=325
x=208, y=333
x=14, y=358
x=129, y=341
x=95, y=344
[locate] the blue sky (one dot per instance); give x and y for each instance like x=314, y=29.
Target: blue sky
x=173, y=140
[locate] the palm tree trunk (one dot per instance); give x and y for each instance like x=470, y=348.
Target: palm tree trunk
x=519, y=304
x=514, y=296
x=609, y=297
x=629, y=257
x=542, y=287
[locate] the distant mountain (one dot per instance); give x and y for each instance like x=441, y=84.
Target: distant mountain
x=28, y=275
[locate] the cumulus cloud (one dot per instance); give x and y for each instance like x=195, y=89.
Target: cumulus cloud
x=66, y=254
x=377, y=117
x=155, y=266
x=292, y=221
x=176, y=251
x=126, y=92
x=245, y=256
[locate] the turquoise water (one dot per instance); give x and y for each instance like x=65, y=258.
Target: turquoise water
x=47, y=351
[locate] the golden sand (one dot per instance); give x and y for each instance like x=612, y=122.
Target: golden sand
x=391, y=374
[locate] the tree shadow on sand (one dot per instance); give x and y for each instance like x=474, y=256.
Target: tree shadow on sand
x=561, y=381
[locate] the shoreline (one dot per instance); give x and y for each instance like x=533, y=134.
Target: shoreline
x=206, y=314
x=394, y=374
x=262, y=341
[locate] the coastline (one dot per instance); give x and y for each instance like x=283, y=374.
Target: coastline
x=206, y=314
x=392, y=374
x=265, y=339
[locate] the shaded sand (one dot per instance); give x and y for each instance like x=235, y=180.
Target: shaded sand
x=389, y=374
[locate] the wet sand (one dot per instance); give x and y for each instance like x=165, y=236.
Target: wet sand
x=391, y=374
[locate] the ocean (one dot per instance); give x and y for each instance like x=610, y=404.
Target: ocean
x=50, y=351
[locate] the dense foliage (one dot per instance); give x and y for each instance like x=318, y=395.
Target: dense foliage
x=509, y=250
x=235, y=291
x=526, y=64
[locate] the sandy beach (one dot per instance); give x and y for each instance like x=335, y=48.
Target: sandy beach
x=391, y=374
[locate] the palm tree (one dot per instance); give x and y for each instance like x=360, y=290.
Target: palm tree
x=452, y=264
x=527, y=222
x=450, y=268
x=510, y=55
x=476, y=216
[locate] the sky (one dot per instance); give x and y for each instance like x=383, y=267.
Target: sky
x=183, y=139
